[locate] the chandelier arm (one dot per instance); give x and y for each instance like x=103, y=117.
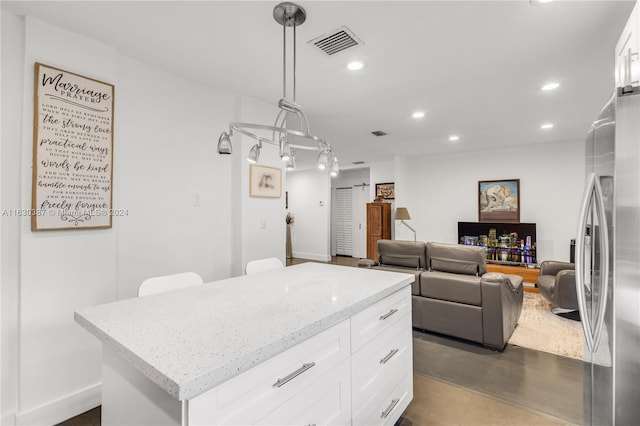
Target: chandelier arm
x=304, y=123
x=303, y=147
x=240, y=127
x=279, y=125
x=253, y=135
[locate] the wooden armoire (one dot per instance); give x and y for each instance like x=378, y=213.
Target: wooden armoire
x=378, y=226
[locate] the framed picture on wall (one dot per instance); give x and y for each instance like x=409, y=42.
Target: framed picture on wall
x=499, y=200
x=265, y=181
x=72, y=174
x=386, y=191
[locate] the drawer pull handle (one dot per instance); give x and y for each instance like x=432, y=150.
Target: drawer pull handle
x=389, y=356
x=390, y=408
x=388, y=314
x=293, y=375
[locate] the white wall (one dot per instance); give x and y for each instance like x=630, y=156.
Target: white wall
x=381, y=172
x=166, y=130
x=254, y=241
x=384, y=172
x=59, y=270
x=310, y=202
x=12, y=72
x=166, y=157
x=441, y=190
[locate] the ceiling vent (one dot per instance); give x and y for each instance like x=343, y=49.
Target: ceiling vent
x=378, y=133
x=336, y=41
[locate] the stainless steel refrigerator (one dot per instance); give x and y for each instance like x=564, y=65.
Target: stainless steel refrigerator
x=608, y=263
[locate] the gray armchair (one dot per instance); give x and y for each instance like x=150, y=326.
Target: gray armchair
x=557, y=284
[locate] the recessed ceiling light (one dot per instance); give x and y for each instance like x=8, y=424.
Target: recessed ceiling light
x=355, y=65
x=550, y=86
x=418, y=114
x=454, y=138
x=547, y=126
x=538, y=2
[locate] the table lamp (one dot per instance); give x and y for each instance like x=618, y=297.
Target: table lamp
x=402, y=214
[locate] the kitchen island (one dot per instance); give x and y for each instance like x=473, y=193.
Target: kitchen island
x=308, y=344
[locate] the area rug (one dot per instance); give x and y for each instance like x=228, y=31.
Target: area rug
x=541, y=330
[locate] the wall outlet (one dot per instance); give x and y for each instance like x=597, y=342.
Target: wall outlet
x=196, y=199
x=263, y=223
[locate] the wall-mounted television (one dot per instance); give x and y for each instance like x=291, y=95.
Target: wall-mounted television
x=506, y=243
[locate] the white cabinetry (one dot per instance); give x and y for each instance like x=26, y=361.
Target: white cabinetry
x=255, y=394
x=357, y=372
x=628, y=52
x=382, y=362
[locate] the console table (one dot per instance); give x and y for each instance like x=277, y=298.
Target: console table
x=308, y=344
x=529, y=275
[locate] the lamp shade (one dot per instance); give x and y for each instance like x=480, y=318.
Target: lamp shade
x=254, y=154
x=224, y=144
x=402, y=213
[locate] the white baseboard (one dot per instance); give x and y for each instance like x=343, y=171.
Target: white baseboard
x=312, y=256
x=61, y=409
x=8, y=419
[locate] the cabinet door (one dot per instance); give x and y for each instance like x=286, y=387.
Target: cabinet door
x=386, y=357
x=389, y=410
x=371, y=322
x=252, y=395
x=628, y=52
x=374, y=229
x=374, y=220
x=326, y=402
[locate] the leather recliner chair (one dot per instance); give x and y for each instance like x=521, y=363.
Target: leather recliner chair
x=557, y=284
x=452, y=293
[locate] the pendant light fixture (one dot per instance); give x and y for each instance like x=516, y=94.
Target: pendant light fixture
x=290, y=130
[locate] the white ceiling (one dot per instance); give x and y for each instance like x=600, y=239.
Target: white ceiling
x=474, y=67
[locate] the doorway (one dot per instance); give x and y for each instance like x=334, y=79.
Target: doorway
x=350, y=193
x=344, y=222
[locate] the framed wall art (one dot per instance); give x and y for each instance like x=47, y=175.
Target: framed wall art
x=72, y=151
x=499, y=200
x=386, y=191
x=265, y=181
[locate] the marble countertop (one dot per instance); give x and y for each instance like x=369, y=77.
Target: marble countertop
x=191, y=340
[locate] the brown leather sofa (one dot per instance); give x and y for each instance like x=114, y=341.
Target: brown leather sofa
x=453, y=294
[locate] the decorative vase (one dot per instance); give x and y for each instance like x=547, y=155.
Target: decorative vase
x=289, y=255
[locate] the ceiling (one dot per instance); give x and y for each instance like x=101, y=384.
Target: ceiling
x=474, y=67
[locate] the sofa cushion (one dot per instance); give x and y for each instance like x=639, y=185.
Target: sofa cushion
x=410, y=254
x=451, y=287
x=454, y=266
x=415, y=286
x=459, y=253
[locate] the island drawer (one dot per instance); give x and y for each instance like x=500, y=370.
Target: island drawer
x=389, y=408
x=252, y=395
x=375, y=319
x=327, y=401
x=385, y=357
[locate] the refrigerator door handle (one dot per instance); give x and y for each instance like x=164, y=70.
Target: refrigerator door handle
x=580, y=249
x=604, y=263
x=592, y=197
